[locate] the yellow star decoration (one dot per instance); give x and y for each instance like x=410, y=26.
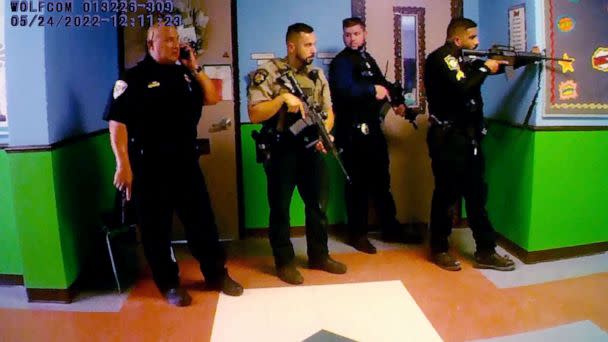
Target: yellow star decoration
x=567, y=66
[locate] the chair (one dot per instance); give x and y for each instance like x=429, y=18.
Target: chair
x=119, y=225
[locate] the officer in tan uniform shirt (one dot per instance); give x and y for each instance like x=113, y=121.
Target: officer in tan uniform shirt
x=293, y=158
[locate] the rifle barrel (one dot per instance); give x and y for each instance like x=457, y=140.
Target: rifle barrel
x=475, y=52
x=515, y=54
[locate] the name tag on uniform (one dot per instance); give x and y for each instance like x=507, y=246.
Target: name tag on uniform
x=153, y=84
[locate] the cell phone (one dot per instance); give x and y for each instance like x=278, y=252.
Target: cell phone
x=184, y=53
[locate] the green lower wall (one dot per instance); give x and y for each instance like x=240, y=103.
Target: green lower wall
x=254, y=188
x=83, y=189
x=571, y=189
x=10, y=253
x=36, y=219
x=509, y=169
x=548, y=188
x=58, y=196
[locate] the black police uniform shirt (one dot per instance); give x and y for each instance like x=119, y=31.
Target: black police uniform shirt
x=353, y=75
x=453, y=87
x=160, y=104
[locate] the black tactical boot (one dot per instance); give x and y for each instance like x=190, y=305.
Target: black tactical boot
x=177, y=296
x=362, y=243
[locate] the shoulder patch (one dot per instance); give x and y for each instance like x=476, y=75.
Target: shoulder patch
x=260, y=76
x=453, y=65
x=451, y=62
x=119, y=87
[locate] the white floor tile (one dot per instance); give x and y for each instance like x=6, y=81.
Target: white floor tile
x=375, y=311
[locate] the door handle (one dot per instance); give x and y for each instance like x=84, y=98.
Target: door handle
x=221, y=125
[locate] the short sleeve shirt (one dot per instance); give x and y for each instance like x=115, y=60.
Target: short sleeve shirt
x=160, y=104
x=265, y=87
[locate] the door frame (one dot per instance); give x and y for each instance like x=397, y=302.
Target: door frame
x=237, y=121
x=358, y=8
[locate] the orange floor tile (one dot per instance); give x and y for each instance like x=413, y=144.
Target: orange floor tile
x=460, y=305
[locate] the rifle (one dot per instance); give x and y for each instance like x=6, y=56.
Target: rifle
x=316, y=115
x=507, y=53
x=396, y=92
x=514, y=59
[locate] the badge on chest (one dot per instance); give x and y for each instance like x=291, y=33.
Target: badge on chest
x=188, y=82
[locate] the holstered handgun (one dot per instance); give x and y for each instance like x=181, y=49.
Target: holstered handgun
x=264, y=140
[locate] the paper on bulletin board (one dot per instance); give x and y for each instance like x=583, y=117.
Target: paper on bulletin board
x=221, y=76
x=517, y=27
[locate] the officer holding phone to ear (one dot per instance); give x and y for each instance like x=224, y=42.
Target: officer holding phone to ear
x=153, y=116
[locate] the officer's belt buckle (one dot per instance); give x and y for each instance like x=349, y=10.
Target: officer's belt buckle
x=364, y=128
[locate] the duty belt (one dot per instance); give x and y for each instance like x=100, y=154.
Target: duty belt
x=467, y=130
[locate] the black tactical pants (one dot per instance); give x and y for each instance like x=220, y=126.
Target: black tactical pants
x=291, y=165
x=162, y=183
x=458, y=168
x=366, y=160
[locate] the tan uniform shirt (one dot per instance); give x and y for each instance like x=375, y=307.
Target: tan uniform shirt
x=264, y=85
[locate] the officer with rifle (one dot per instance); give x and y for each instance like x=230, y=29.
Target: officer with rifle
x=359, y=92
x=453, y=88
x=288, y=96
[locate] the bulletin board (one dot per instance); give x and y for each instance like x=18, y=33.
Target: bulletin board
x=577, y=30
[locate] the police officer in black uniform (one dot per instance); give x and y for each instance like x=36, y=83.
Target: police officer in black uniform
x=291, y=162
x=453, y=89
x=153, y=115
x=359, y=90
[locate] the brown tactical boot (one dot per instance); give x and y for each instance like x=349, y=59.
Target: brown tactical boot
x=445, y=261
x=290, y=275
x=227, y=285
x=328, y=265
x=493, y=261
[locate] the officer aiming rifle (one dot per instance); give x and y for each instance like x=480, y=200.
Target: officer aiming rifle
x=513, y=58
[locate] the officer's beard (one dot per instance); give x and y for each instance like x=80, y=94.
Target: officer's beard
x=308, y=60
x=361, y=47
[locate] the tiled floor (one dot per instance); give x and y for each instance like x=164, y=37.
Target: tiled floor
x=298, y=312
x=395, y=295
